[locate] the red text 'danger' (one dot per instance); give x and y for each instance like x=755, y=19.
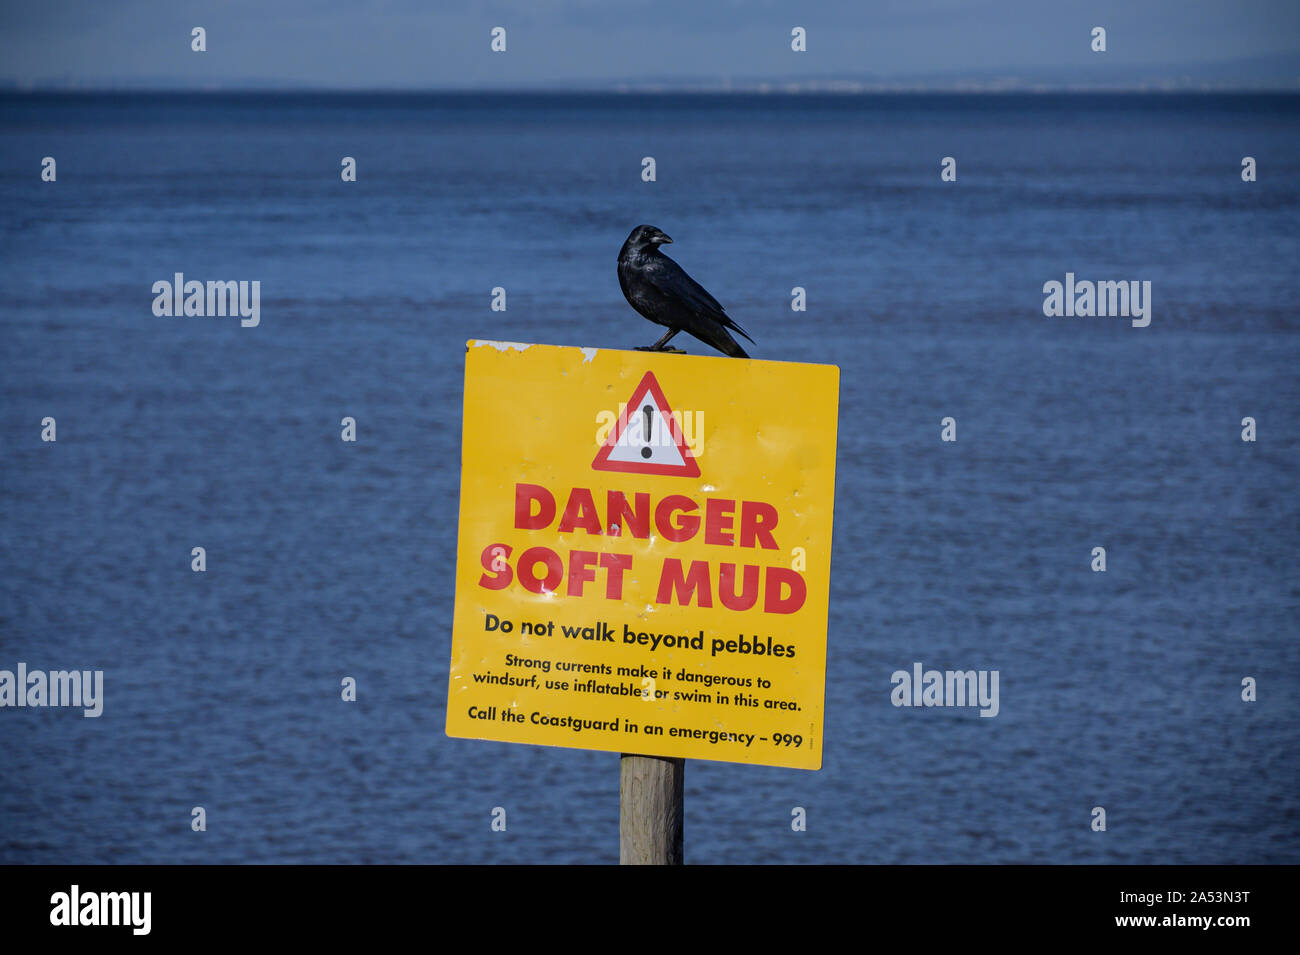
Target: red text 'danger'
x=676, y=517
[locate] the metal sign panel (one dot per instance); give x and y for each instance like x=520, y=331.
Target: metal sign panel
x=644, y=553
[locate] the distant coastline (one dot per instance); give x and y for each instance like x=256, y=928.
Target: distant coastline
x=1269, y=73
x=596, y=94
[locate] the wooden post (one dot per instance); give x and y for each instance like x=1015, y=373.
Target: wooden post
x=650, y=804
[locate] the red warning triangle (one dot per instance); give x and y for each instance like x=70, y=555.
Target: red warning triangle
x=646, y=440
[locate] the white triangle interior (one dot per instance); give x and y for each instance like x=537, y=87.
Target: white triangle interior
x=634, y=446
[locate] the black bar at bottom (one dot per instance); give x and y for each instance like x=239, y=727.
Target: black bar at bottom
x=235, y=903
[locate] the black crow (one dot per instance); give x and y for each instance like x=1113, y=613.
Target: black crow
x=660, y=289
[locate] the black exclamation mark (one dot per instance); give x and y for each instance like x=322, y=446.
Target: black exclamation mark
x=647, y=410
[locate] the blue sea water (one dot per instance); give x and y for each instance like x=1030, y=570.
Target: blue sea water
x=1119, y=689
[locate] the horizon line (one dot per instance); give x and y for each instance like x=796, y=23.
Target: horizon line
x=9, y=88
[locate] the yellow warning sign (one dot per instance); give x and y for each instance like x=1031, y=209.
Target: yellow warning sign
x=644, y=553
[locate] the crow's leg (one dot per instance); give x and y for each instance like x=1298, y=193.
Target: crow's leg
x=667, y=338
x=659, y=345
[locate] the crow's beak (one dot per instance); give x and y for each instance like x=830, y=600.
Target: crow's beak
x=663, y=239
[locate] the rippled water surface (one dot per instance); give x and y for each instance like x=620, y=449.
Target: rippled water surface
x=1119, y=689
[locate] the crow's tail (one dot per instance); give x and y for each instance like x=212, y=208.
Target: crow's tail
x=721, y=339
x=734, y=350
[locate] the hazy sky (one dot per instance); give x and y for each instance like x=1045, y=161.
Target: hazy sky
x=432, y=43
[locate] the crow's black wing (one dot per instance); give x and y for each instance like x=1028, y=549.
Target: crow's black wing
x=671, y=281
